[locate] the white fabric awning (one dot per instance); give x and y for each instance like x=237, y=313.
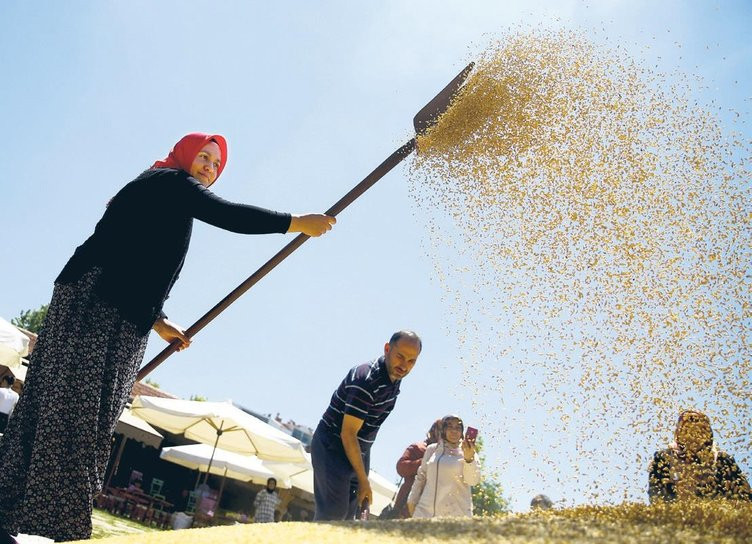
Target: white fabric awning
x=137, y=429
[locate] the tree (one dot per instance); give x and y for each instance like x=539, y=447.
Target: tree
x=199, y=398
x=31, y=320
x=488, y=495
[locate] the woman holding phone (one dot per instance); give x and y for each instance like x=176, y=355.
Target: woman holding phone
x=448, y=470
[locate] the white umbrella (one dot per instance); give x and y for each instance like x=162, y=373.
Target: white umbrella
x=383, y=491
x=222, y=425
x=245, y=468
x=13, y=345
x=301, y=477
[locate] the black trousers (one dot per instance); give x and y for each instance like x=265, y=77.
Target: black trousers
x=335, y=485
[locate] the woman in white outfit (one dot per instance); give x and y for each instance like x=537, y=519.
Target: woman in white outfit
x=448, y=470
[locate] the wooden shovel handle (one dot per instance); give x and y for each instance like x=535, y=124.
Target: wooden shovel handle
x=379, y=172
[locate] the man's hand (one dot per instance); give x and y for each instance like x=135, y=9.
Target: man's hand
x=364, y=493
x=312, y=224
x=169, y=331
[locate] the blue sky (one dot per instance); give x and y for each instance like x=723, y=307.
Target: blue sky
x=311, y=97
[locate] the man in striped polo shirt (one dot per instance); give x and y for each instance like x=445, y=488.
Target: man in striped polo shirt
x=340, y=450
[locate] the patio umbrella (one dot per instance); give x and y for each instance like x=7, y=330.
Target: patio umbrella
x=383, y=491
x=300, y=475
x=13, y=345
x=246, y=468
x=222, y=425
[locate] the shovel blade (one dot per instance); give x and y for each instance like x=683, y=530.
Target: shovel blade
x=431, y=112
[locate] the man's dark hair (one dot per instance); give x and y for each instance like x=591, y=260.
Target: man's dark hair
x=399, y=335
x=10, y=380
x=271, y=480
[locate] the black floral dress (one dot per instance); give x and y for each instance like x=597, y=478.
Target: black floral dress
x=58, y=439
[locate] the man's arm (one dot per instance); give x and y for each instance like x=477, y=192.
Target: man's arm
x=350, y=427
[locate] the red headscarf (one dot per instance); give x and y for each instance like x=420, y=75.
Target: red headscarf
x=185, y=151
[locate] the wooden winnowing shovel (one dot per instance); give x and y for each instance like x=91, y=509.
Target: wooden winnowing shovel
x=424, y=119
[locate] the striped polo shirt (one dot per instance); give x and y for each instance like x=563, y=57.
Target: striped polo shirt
x=366, y=393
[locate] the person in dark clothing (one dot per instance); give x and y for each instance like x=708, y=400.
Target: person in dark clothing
x=408, y=465
x=693, y=467
x=341, y=445
x=106, y=299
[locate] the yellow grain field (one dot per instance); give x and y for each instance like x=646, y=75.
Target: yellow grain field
x=718, y=522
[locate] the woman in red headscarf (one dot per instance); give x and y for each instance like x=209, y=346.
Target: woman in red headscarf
x=106, y=299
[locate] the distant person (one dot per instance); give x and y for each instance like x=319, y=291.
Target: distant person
x=105, y=301
x=448, y=470
x=408, y=465
x=341, y=445
x=541, y=502
x=8, y=400
x=693, y=467
x=266, y=502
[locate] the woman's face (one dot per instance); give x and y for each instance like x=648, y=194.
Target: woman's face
x=453, y=431
x=206, y=164
x=694, y=434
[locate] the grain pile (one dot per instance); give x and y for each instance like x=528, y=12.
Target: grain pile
x=629, y=524
x=590, y=223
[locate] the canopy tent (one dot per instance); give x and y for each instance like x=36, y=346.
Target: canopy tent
x=13, y=345
x=137, y=429
x=132, y=428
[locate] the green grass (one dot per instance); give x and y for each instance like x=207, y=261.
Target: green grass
x=106, y=525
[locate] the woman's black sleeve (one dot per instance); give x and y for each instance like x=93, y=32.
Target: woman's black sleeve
x=205, y=206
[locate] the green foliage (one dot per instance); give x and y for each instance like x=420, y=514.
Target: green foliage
x=199, y=398
x=488, y=495
x=149, y=381
x=31, y=320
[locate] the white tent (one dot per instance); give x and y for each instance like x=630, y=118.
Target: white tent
x=137, y=429
x=13, y=345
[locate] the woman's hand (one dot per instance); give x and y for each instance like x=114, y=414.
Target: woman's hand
x=169, y=331
x=468, y=450
x=312, y=224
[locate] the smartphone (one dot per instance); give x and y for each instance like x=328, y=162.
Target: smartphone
x=471, y=433
x=365, y=511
